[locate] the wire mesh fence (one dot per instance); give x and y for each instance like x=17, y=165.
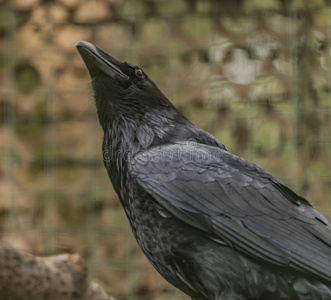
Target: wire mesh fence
x=256, y=74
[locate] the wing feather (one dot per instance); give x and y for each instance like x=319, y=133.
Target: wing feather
x=236, y=201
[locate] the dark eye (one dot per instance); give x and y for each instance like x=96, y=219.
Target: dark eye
x=139, y=73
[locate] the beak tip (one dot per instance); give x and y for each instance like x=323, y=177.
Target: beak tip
x=80, y=44
x=85, y=44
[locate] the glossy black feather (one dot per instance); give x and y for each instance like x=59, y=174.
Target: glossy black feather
x=250, y=208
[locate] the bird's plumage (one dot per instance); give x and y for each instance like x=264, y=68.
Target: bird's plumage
x=231, y=199
x=214, y=225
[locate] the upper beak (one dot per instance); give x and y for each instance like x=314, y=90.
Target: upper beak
x=96, y=60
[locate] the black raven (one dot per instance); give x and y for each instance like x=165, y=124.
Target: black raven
x=213, y=224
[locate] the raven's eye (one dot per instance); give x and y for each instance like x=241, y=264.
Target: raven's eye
x=139, y=73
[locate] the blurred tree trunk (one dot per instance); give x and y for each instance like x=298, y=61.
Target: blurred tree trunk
x=24, y=276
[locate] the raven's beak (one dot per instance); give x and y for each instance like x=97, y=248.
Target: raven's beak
x=96, y=60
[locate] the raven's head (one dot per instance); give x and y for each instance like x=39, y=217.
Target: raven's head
x=121, y=89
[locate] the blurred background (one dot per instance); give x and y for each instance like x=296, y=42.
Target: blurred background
x=256, y=74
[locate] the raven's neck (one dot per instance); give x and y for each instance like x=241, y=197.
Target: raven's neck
x=125, y=136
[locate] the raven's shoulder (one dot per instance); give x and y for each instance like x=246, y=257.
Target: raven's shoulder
x=235, y=200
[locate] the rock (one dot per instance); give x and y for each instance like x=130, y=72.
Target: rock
x=70, y=3
x=115, y=36
x=27, y=78
x=131, y=9
x=257, y=5
x=172, y=6
x=282, y=25
x=153, y=32
x=92, y=12
x=67, y=36
x=29, y=39
x=25, y=5
x=266, y=87
x=267, y=135
x=59, y=14
x=240, y=68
